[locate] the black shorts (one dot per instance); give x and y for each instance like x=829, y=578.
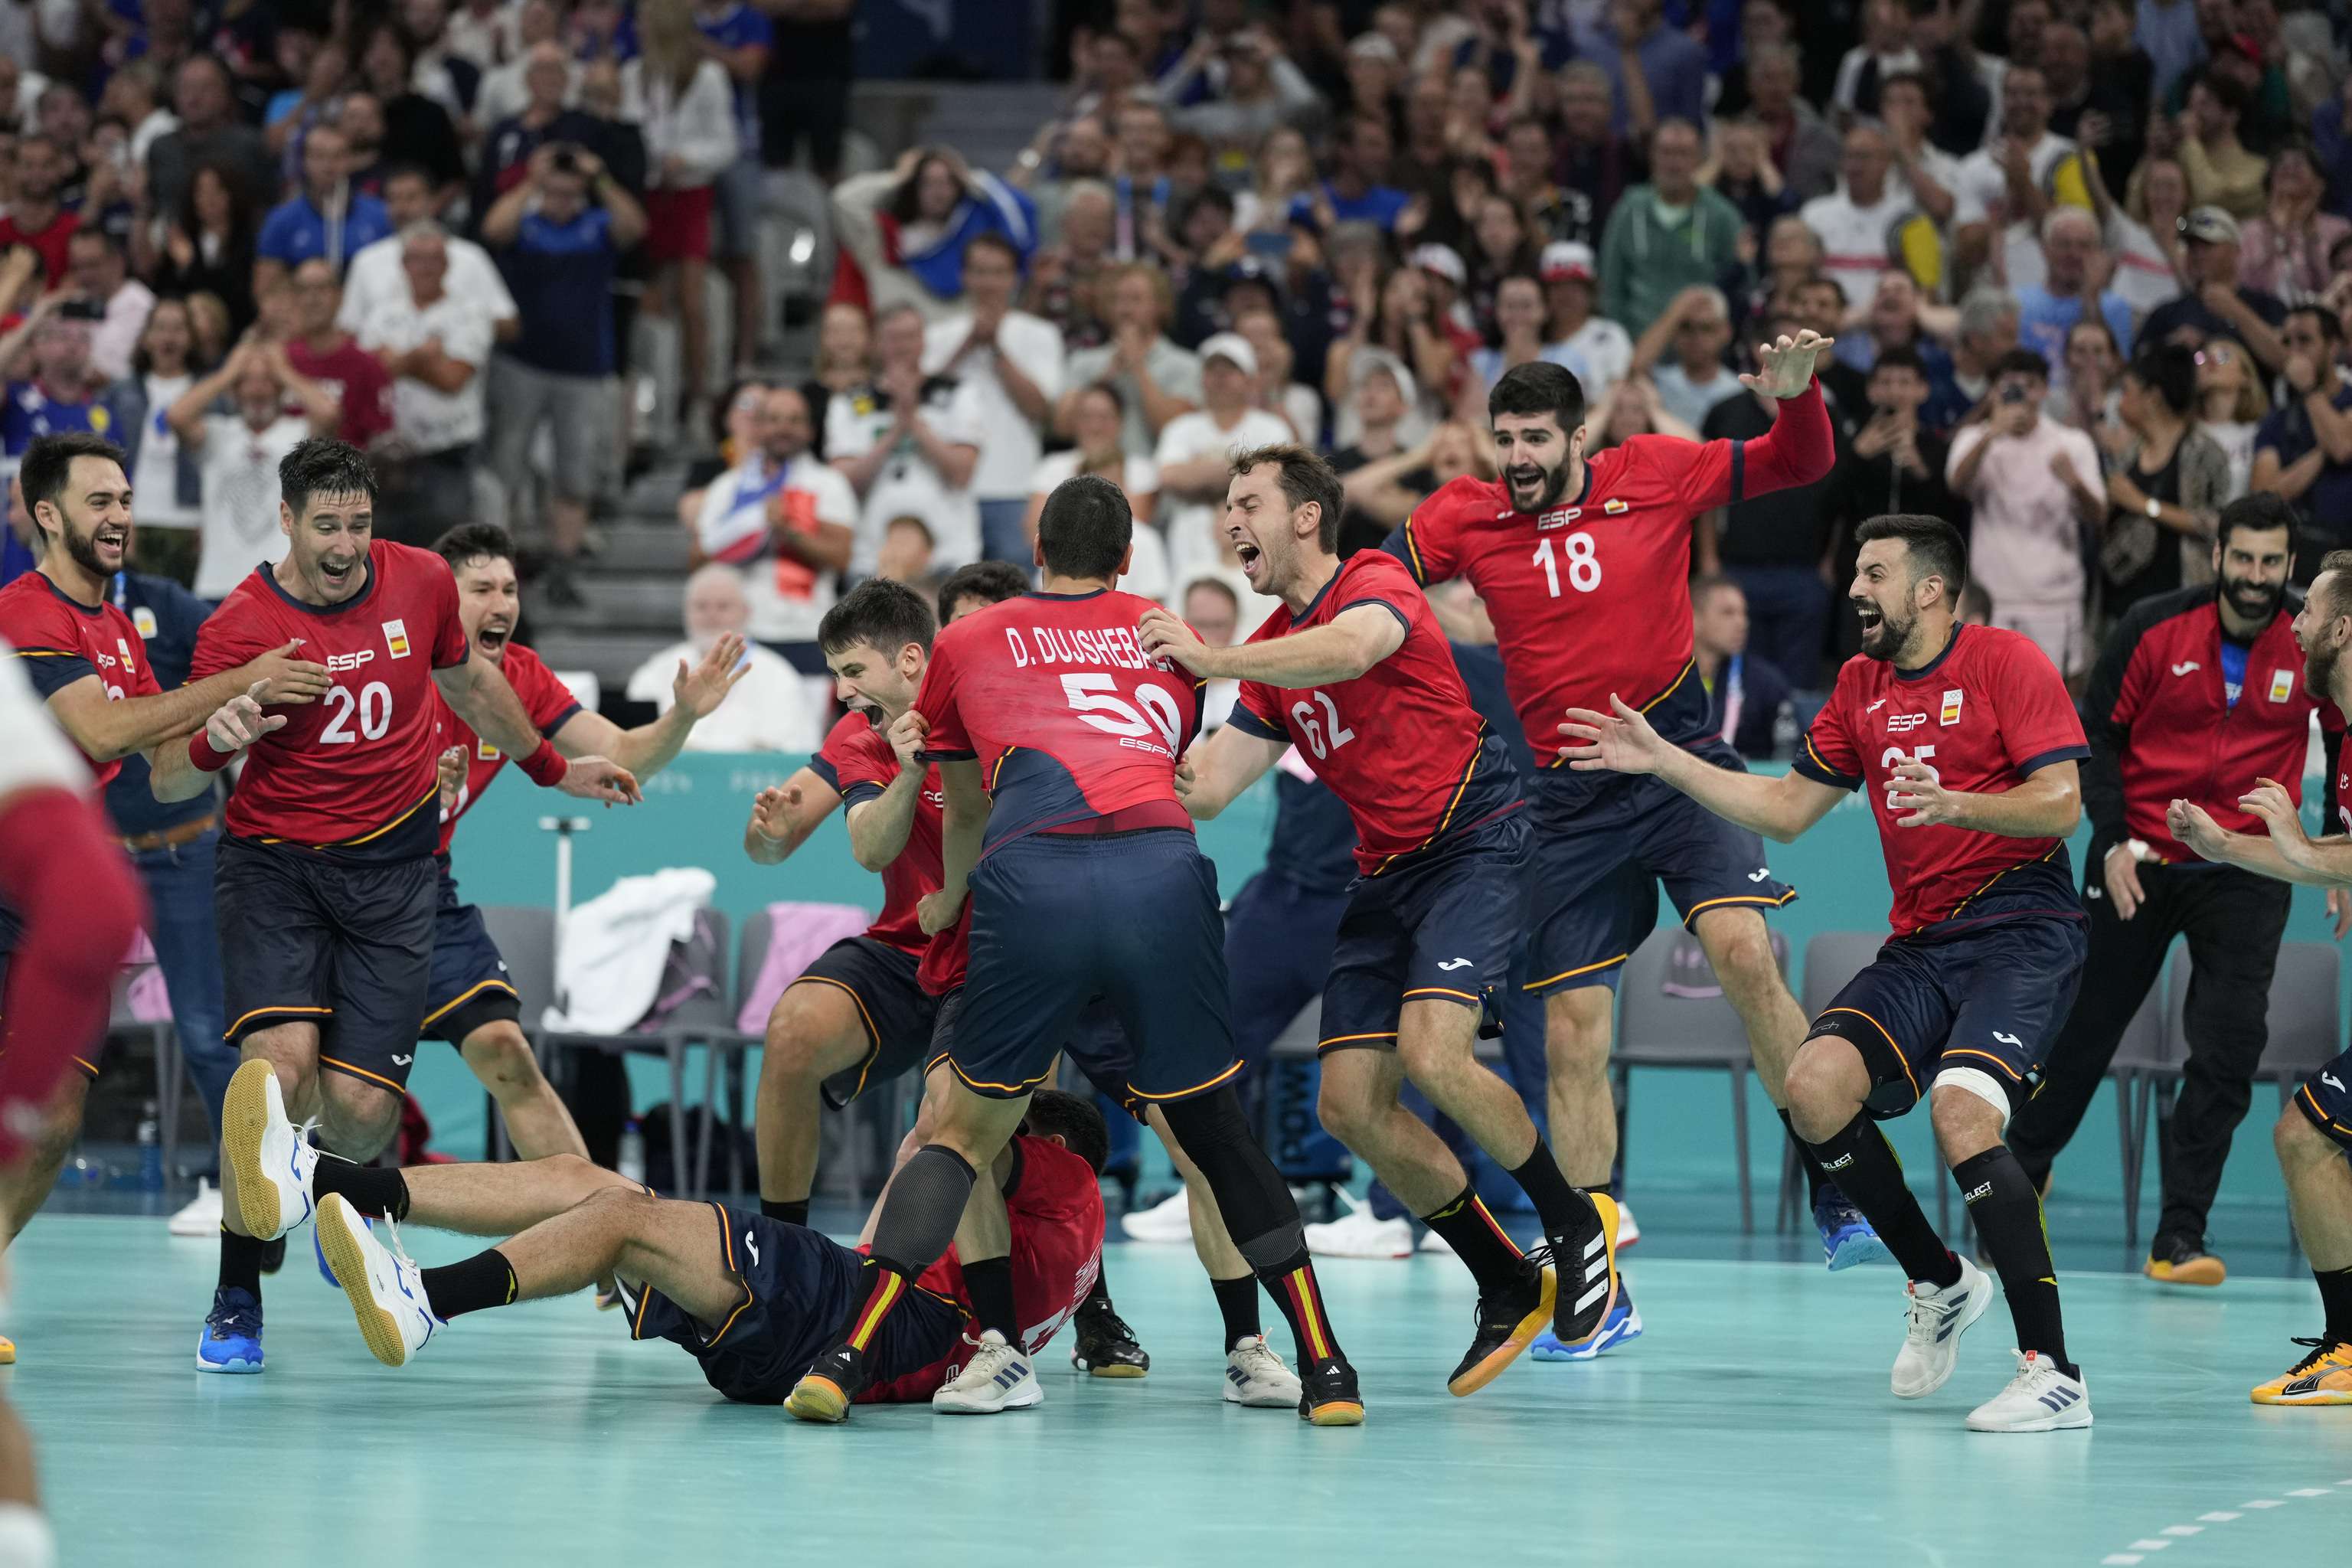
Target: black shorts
x=1990, y=997
x=90, y=1055
x=1435, y=928
x=1097, y=1048
x=1060, y=920
x=2325, y=1098
x=469, y=985
x=1602, y=852
x=799, y=1287
x=896, y=1011
x=306, y=939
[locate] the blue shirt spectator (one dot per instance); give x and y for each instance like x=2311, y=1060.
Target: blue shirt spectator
x=733, y=27
x=1672, y=63
x=561, y=273
x=326, y=218
x=2044, y=319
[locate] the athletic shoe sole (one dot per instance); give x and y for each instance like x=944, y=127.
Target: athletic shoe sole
x=1978, y=1302
x=816, y=1398
x=1856, y=1249
x=1465, y=1383
x=2305, y=1400
x=1338, y=1413
x=2206, y=1270
x=240, y=1366
x=1609, y=1225
x=244, y=1118
x=2076, y=1417
x=1623, y=1332
x=1113, y=1370
x=340, y=1242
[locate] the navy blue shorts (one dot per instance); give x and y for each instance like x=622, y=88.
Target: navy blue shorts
x=349, y=947
x=469, y=985
x=1439, y=928
x=1097, y=1047
x=1601, y=854
x=1059, y=920
x=799, y=1287
x=896, y=1011
x=1990, y=997
x=2325, y=1097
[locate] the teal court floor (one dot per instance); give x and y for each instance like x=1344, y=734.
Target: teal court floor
x=1751, y=1425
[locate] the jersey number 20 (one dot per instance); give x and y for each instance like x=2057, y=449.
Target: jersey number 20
x=372, y=707
x=1583, y=564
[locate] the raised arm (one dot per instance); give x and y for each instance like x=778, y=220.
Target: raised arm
x=107, y=730
x=783, y=815
x=879, y=825
x=482, y=698
x=1358, y=638
x=696, y=690
x=1778, y=807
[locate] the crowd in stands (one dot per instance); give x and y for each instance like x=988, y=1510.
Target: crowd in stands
x=2088, y=263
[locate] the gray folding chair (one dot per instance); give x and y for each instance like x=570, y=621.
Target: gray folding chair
x=1672, y=1014
x=2148, y=1053
x=525, y=937
x=162, y=1039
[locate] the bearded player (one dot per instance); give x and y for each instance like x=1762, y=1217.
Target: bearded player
x=326, y=882
x=1584, y=566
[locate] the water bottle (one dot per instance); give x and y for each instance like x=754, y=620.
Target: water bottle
x=150, y=1150
x=633, y=1151
x=1785, y=732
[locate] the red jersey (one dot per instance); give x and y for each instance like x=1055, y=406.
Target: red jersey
x=349, y=769
x=1983, y=715
x=53, y=244
x=1400, y=744
x=1072, y=724
x=548, y=702
x=858, y=764
x=1055, y=1207
x=355, y=376
x=1593, y=597
x=60, y=639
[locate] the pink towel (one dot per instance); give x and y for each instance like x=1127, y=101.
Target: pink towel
x=797, y=934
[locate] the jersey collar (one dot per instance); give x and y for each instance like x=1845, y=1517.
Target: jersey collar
x=1303, y=616
x=367, y=590
x=65, y=599
x=1928, y=668
x=1066, y=598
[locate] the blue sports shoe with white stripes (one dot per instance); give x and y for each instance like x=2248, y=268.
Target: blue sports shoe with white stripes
x=232, y=1337
x=1847, y=1238
x=1622, y=1324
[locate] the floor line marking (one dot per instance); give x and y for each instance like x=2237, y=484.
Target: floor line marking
x=2219, y=1516
x=2119, y=1559
x=2264, y=1502
x=2182, y=1530
x=2308, y=1491
x=2149, y=1545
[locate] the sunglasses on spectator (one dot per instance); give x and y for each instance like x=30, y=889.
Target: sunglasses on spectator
x=2216, y=356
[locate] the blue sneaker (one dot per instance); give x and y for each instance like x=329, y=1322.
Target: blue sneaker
x=1624, y=1324
x=1847, y=1240
x=319, y=1250
x=232, y=1337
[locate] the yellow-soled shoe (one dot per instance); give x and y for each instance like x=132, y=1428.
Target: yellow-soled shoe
x=1589, y=1283
x=7, y=1351
x=2323, y=1377
x=2188, y=1264
x=1508, y=1325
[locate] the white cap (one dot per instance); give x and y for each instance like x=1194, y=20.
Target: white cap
x=1231, y=346
x=1442, y=261
x=1367, y=361
x=1565, y=258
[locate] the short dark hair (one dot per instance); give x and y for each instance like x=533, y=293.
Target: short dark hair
x=1215, y=586
x=1901, y=356
x=2261, y=512
x=2331, y=329
x=323, y=466
x=1821, y=281
x=2020, y=361
x=406, y=170
x=1927, y=87
x=882, y=614
x=2235, y=96
x=1977, y=600
x=1707, y=582
x=474, y=542
x=2340, y=562
x=1936, y=546
x=1539, y=387
x=1054, y=1112
x=2169, y=370
x=1085, y=528
x=1304, y=476
x=48, y=468
x=993, y=581
x=992, y=240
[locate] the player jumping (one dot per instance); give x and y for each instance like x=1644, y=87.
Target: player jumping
x=1353, y=670
x=1966, y=746
x=326, y=882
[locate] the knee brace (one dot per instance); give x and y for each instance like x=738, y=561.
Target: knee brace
x=1250, y=1192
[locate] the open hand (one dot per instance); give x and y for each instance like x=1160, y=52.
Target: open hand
x=1918, y=791
x=279, y=680
x=2269, y=802
x=598, y=778
x=1165, y=635
x=773, y=810
x=700, y=688
x=2120, y=872
x=1784, y=369
x=1620, y=742
x=239, y=721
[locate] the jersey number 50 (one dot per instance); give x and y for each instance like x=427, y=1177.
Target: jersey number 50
x=1583, y=564
x=373, y=707
x=1095, y=700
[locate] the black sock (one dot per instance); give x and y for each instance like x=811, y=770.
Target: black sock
x=376, y=1192
x=1815, y=1177
x=1858, y=1158
x=1567, y=1216
x=2336, y=1295
x=792, y=1211
x=240, y=1263
x=1237, y=1304
x=989, y=1282
x=1293, y=1285
x=1098, y=1293
x=484, y=1279
x=2008, y=1212
x=1492, y=1257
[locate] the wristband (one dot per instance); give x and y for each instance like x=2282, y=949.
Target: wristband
x=545, y=767
x=207, y=757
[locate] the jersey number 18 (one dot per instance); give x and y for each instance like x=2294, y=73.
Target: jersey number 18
x=1584, y=563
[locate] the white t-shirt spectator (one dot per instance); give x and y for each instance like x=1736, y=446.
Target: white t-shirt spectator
x=155, y=477
x=1600, y=352
x=426, y=418
x=2026, y=547
x=1176, y=372
x=2144, y=274
x=788, y=598
x=374, y=276
x=1147, y=573
x=1009, y=446
x=1191, y=546
x=1854, y=239
x=240, y=512
x=113, y=340
x=769, y=710
x=1982, y=183
x=907, y=484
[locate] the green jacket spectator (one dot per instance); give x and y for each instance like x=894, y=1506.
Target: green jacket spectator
x=1666, y=236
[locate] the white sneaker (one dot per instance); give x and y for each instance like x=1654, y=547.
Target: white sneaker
x=1168, y=1222
x=1628, y=1233
x=1358, y=1235
x=272, y=1160
x=2039, y=1398
x=997, y=1377
x=202, y=1215
x=1432, y=1242
x=385, y=1288
x=1937, y=1319
x=1256, y=1377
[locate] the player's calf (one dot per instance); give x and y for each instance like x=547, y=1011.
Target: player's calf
x=501, y=1057
x=813, y=1033
x=357, y=1119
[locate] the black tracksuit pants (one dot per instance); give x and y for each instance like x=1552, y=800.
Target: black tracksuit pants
x=2233, y=921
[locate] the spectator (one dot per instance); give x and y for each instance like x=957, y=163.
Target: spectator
x=1013, y=362
x=1554, y=213
x=2035, y=487
x=1097, y=412
x=1076, y=151
x=360, y=117
x=1986, y=335
x=1212, y=606
x=903, y=230
x=1746, y=176
x=787, y=523
x=96, y=275
x=1666, y=236
x=559, y=239
x=2143, y=235
x=1656, y=73
x=1894, y=321
x=682, y=101
x=239, y=454
x=36, y=217
x=1633, y=411
x=1156, y=380
x=1799, y=142
x=1404, y=323
x=1597, y=349
x=1263, y=89
x=505, y=91
x=1385, y=491
x=1792, y=255
x=2094, y=360
x=544, y=117
x=2221, y=304
x=2170, y=32
x=2284, y=251
x=134, y=95
x=1593, y=163
x=434, y=344
x=1884, y=50
x=844, y=363
x=2073, y=278
x=1820, y=304
x=45, y=363
x=1855, y=222
x=419, y=126
x=1195, y=449
x=768, y=707
x=910, y=443
x=1746, y=694
x=1519, y=323
x=2304, y=450
x=735, y=436
x=2223, y=173
x=2166, y=493
x=2121, y=85
x=740, y=38
x=322, y=351
x=210, y=133
x=1932, y=173
x=1424, y=165
x=1895, y=463
x=806, y=97
x=1354, y=190
x=1774, y=546
x=163, y=476
x=1499, y=248
x=1066, y=278
x=2009, y=177
x=485, y=34
x=1761, y=22
x=376, y=275
x=1381, y=402
x=1278, y=388
x=324, y=219
x=1695, y=329
x=2231, y=406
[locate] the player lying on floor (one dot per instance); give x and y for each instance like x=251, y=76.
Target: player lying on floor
x=752, y=1299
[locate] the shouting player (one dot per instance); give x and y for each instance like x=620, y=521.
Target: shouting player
x=2313, y=1136
x=1583, y=564
x=1057, y=740
x=1966, y=747
x=1352, y=668
x=470, y=1003
x=326, y=883
x=87, y=661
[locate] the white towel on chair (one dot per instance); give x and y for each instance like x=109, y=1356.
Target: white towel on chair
x=608, y=973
